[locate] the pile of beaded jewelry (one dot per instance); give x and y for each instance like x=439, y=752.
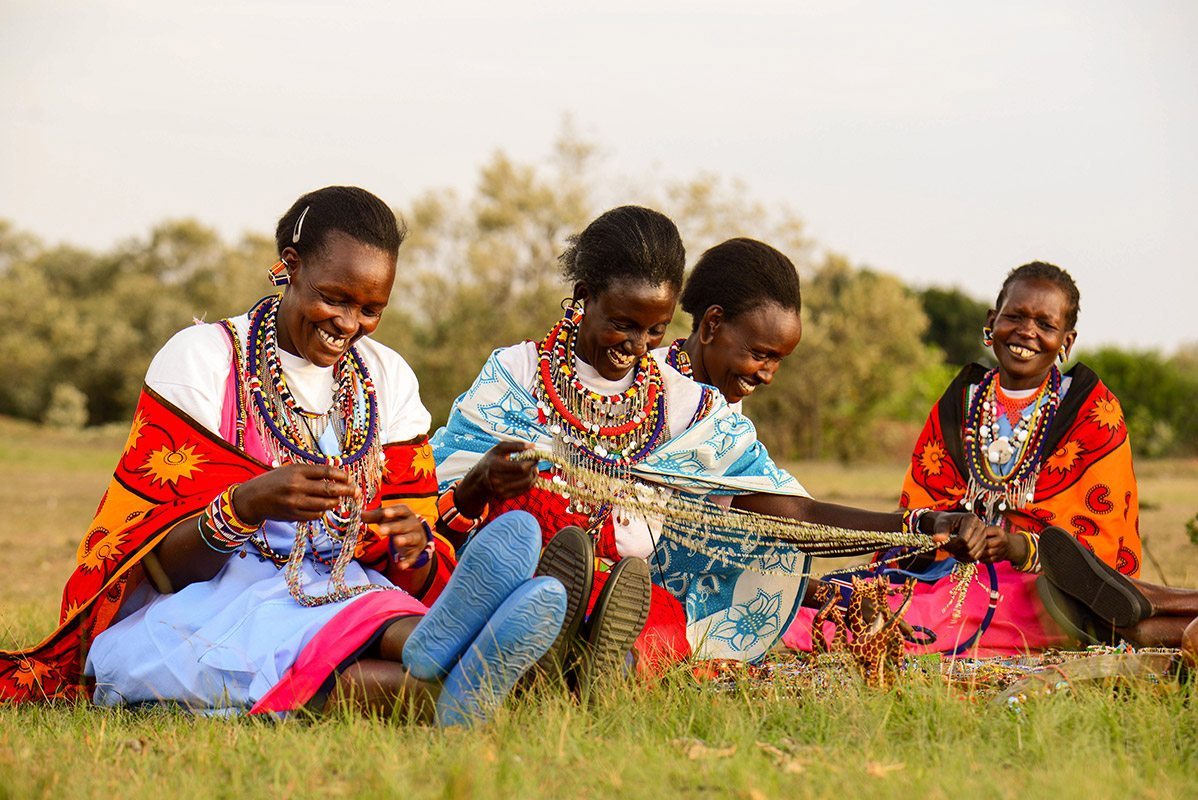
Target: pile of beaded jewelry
x=604, y=433
x=292, y=434
x=1003, y=468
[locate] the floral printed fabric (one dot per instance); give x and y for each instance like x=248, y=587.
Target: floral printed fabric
x=730, y=612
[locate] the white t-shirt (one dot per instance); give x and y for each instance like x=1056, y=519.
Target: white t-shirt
x=192, y=369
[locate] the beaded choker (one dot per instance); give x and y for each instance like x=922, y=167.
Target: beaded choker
x=679, y=359
x=604, y=433
x=986, y=450
x=290, y=434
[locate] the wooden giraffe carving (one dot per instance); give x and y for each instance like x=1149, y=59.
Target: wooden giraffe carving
x=876, y=644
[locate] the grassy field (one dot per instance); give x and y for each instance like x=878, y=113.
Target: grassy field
x=749, y=739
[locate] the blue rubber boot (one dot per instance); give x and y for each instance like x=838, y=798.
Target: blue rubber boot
x=501, y=558
x=511, y=642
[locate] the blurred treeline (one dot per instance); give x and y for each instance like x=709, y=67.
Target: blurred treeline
x=479, y=272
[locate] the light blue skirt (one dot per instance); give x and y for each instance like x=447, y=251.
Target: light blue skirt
x=219, y=645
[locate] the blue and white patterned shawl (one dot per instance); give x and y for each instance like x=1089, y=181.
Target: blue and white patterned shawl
x=731, y=612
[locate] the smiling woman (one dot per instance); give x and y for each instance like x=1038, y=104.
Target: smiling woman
x=1031, y=450
x=595, y=394
x=274, y=501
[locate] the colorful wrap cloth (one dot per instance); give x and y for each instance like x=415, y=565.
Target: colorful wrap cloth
x=729, y=612
x=170, y=469
x=1086, y=485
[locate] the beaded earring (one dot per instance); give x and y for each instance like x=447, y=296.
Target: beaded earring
x=987, y=336
x=278, y=274
x=1062, y=355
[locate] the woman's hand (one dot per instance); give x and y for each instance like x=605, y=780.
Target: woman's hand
x=960, y=533
x=403, y=527
x=291, y=493
x=1003, y=546
x=495, y=477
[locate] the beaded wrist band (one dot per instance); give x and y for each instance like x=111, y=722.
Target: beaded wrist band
x=426, y=554
x=454, y=519
x=912, y=517
x=1032, y=562
x=220, y=527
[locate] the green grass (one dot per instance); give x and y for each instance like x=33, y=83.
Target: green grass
x=681, y=738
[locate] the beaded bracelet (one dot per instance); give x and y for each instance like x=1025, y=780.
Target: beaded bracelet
x=455, y=520
x=220, y=527
x=425, y=554
x=912, y=517
x=1032, y=562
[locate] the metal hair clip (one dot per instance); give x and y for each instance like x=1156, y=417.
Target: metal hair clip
x=299, y=224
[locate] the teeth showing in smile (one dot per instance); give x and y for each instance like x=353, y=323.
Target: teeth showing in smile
x=745, y=387
x=620, y=360
x=1021, y=352
x=328, y=339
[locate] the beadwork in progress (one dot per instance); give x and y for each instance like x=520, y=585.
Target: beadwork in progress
x=730, y=536
x=292, y=434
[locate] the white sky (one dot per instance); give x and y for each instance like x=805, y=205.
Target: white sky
x=944, y=142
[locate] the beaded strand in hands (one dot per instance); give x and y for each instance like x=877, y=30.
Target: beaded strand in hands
x=289, y=438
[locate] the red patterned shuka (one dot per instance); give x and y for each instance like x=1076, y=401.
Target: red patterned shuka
x=170, y=469
x=1086, y=483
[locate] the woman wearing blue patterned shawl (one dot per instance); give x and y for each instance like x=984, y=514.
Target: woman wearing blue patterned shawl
x=595, y=394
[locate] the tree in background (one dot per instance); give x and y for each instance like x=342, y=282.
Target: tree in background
x=955, y=322
x=861, y=362
x=481, y=272
x=1157, y=395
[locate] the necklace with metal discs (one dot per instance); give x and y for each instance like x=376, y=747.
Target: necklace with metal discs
x=291, y=434
x=1003, y=468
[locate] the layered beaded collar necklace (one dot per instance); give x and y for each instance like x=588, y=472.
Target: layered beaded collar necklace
x=289, y=433
x=604, y=433
x=986, y=451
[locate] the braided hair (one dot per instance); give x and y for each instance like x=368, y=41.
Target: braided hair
x=740, y=275
x=629, y=243
x=353, y=211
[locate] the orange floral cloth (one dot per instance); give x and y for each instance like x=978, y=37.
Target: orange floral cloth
x=1086, y=483
x=170, y=469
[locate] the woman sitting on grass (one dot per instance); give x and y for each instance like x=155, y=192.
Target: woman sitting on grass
x=594, y=393
x=1024, y=447
x=275, y=488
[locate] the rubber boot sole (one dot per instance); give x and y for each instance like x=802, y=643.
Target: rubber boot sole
x=617, y=619
x=500, y=559
x=1076, y=571
x=570, y=558
x=508, y=645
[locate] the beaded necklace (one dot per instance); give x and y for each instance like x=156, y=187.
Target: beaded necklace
x=288, y=433
x=986, y=450
x=605, y=433
x=679, y=359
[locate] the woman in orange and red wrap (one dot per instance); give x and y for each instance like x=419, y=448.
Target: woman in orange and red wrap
x=1026, y=447
x=273, y=501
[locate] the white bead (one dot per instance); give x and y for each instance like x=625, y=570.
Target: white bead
x=1021, y=436
x=993, y=456
x=555, y=429
x=601, y=451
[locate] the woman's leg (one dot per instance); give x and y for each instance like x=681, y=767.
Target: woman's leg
x=1189, y=645
x=1157, y=631
x=1168, y=601
x=380, y=686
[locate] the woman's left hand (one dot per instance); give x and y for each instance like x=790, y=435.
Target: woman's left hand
x=404, y=528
